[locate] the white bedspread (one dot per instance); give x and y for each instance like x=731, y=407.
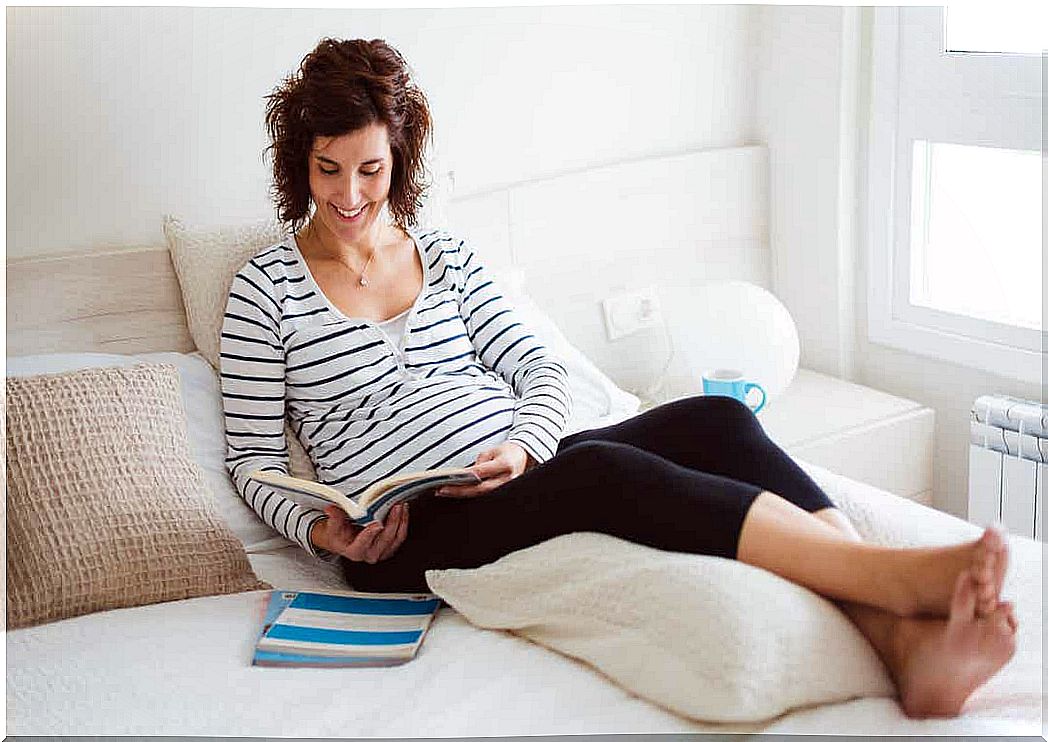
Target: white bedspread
x=184, y=668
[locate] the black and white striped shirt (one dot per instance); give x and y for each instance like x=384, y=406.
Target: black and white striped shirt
x=467, y=375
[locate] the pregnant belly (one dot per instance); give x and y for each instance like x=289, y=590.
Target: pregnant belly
x=446, y=429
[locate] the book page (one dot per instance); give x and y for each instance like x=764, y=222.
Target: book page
x=404, y=486
x=310, y=494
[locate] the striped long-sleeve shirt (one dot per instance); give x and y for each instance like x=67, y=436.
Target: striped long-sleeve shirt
x=467, y=375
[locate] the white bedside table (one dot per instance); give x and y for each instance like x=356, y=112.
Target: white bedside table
x=858, y=432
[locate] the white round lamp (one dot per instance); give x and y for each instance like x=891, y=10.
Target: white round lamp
x=739, y=325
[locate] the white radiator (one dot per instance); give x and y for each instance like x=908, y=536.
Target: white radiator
x=1008, y=464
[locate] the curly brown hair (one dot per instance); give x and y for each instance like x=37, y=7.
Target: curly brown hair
x=340, y=87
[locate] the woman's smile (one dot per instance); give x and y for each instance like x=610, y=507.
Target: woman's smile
x=350, y=215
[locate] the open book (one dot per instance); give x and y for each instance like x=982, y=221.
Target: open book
x=374, y=502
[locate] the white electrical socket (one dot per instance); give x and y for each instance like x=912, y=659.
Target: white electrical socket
x=630, y=312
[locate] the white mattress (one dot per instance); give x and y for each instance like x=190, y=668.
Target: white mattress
x=183, y=668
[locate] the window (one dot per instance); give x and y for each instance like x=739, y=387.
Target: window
x=954, y=209
x=992, y=29
x=975, y=232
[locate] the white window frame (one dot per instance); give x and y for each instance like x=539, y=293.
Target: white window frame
x=1008, y=351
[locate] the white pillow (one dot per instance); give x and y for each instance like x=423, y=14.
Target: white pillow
x=712, y=639
x=596, y=399
x=202, y=399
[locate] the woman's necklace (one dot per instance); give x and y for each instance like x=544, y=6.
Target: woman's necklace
x=362, y=281
x=363, y=274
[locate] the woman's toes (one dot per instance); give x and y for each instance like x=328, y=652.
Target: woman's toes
x=1008, y=611
x=1006, y=624
x=988, y=596
x=1001, y=564
x=989, y=552
x=964, y=599
x=997, y=544
x=934, y=573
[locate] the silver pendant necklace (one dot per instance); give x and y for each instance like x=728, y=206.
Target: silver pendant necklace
x=364, y=282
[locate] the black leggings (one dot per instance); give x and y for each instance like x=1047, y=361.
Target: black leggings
x=680, y=477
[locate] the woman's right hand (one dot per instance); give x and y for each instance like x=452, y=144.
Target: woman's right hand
x=338, y=534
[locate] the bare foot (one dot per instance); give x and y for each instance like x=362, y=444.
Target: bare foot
x=1000, y=571
x=938, y=663
x=932, y=574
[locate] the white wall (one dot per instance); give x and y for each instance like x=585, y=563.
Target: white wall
x=119, y=115
x=798, y=115
x=817, y=224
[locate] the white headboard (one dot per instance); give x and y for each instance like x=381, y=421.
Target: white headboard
x=671, y=222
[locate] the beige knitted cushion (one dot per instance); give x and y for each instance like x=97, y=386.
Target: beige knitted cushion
x=709, y=638
x=105, y=506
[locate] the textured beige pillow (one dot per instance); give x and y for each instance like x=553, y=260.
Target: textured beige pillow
x=105, y=506
x=205, y=261
x=712, y=639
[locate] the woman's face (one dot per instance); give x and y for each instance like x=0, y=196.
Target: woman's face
x=349, y=178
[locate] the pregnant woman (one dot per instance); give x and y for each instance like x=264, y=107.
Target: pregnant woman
x=389, y=348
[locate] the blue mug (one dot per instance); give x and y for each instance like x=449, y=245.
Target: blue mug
x=728, y=382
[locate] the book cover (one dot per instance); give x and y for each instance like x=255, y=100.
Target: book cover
x=350, y=629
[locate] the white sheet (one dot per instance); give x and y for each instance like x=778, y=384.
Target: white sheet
x=183, y=668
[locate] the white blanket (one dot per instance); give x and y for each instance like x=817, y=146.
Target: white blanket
x=184, y=668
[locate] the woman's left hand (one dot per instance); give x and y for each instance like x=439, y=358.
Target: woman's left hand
x=495, y=467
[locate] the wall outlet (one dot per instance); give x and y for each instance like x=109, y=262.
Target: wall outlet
x=630, y=312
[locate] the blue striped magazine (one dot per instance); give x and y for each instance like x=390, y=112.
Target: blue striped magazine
x=373, y=503
x=346, y=629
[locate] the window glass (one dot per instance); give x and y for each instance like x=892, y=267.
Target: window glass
x=976, y=232
x=1019, y=29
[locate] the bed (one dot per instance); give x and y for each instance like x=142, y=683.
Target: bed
x=183, y=667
